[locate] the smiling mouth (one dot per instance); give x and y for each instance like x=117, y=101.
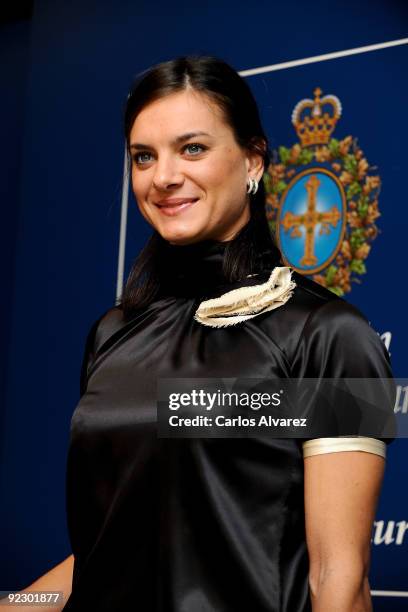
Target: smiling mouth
x=176, y=202
x=172, y=208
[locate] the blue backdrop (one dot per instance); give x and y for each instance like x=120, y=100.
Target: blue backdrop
x=65, y=76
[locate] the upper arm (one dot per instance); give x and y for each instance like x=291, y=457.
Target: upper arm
x=341, y=492
x=343, y=474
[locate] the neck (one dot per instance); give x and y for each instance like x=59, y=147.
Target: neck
x=203, y=267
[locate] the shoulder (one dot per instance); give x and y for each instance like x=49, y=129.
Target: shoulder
x=106, y=325
x=319, y=305
x=308, y=299
x=315, y=291
x=316, y=316
x=101, y=329
x=335, y=338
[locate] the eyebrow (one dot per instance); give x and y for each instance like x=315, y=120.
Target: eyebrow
x=176, y=141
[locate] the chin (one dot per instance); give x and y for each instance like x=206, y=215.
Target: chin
x=184, y=234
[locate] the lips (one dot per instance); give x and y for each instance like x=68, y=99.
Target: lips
x=172, y=202
x=174, y=206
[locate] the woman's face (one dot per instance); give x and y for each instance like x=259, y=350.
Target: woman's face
x=172, y=161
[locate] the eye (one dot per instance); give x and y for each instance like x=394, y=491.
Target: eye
x=136, y=157
x=195, y=144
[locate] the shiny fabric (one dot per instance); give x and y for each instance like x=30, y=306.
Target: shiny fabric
x=198, y=525
x=323, y=446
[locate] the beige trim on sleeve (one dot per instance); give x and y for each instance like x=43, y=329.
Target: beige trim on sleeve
x=320, y=446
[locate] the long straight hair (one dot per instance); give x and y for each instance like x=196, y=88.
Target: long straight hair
x=218, y=81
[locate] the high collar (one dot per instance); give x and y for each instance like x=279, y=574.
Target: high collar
x=197, y=270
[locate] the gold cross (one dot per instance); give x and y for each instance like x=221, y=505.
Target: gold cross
x=309, y=220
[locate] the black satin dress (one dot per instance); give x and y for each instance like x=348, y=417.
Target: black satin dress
x=198, y=525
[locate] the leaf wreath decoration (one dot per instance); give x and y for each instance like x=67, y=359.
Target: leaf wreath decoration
x=347, y=161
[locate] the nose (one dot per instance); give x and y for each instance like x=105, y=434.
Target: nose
x=166, y=174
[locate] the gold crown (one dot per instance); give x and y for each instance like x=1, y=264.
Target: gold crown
x=314, y=124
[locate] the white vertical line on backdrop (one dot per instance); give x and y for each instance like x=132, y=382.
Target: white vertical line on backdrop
x=243, y=73
x=123, y=228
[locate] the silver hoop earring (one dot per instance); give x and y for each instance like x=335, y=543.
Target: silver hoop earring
x=252, y=186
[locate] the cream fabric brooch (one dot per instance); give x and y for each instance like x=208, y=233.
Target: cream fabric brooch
x=247, y=302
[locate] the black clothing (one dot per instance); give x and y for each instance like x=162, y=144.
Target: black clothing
x=198, y=525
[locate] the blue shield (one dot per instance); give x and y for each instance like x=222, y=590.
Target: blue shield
x=311, y=220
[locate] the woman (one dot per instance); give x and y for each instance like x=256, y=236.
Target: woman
x=214, y=525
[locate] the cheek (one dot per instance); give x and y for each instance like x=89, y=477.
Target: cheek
x=139, y=187
x=136, y=183
x=236, y=166
x=225, y=173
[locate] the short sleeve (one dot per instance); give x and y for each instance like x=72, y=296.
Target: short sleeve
x=336, y=343
x=88, y=356
x=101, y=330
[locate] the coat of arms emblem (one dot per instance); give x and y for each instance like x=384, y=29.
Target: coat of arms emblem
x=322, y=198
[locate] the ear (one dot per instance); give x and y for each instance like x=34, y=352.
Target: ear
x=255, y=161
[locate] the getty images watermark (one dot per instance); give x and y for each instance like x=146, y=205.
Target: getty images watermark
x=208, y=401
x=281, y=408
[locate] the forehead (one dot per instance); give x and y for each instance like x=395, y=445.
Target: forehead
x=185, y=111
